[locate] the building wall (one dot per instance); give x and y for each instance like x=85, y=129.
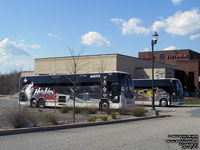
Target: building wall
x=126, y=64
x=158, y=73
x=130, y=64
x=185, y=60
x=169, y=57
x=192, y=66
x=85, y=64
x=27, y=73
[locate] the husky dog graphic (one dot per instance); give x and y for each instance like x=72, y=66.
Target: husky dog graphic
x=28, y=90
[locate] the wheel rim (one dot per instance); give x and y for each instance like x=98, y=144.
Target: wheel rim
x=41, y=104
x=34, y=103
x=104, y=106
x=163, y=103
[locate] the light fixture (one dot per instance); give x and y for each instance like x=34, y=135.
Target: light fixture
x=155, y=37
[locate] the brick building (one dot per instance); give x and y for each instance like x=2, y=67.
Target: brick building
x=187, y=64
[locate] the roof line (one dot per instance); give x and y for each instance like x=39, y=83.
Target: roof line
x=171, y=50
x=85, y=56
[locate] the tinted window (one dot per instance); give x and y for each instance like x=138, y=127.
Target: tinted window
x=123, y=79
x=148, y=83
x=164, y=84
x=179, y=88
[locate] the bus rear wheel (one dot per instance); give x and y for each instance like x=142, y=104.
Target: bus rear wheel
x=104, y=105
x=34, y=103
x=41, y=103
x=163, y=103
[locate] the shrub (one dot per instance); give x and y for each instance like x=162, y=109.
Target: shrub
x=92, y=110
x=108, y=111
x=52, y=118
x=124, y=111
x=65, y=109
x=78, y=110
x=32, y=118
x=91, y=119
x=113, y=115
x=17, y=119
x=138, y=111
x=104, y=118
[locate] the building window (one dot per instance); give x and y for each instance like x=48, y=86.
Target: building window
x=190, y=56
x=162, y=56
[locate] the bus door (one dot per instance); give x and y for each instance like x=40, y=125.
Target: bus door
x=174, y=92
x=115, y=93
x=179, y=90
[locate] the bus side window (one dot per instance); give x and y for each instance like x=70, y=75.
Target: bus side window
x=115, y=89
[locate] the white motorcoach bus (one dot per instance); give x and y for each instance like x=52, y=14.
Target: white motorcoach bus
x=167, y=92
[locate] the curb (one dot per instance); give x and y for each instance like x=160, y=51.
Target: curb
x=70, y=126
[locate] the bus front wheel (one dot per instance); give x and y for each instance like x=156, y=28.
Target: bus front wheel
x=163, y=102
x=104, y=105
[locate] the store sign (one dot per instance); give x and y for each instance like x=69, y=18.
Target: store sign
x=176, y=56
x=172, y=56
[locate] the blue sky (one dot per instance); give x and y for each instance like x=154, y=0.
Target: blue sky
x=47, y=28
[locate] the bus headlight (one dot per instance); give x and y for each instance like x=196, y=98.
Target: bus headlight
x=116, y=98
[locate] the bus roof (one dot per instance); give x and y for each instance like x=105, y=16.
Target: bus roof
x=106, y=72
x=159, y=79
x=70, y=78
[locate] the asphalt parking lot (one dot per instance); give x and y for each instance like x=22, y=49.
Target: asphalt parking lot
x=146, y=134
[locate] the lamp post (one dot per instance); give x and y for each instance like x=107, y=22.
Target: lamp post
x=153, y=42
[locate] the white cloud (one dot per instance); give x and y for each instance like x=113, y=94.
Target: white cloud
x=25, y=46
x=176, y=2
x=14, y=55
x=181, y=23
x=146, y=49
x=184, y=23
x=170, y=48
x=11, y=63
x=3, y=59
x=54, y=36
x=8, y=47
x=117, y=20
x=158, y=25
x=22, y=40
x=131, y=26
x=94, y=38
x=195, y=36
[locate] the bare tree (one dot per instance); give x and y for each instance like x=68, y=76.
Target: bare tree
x=74, y=68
